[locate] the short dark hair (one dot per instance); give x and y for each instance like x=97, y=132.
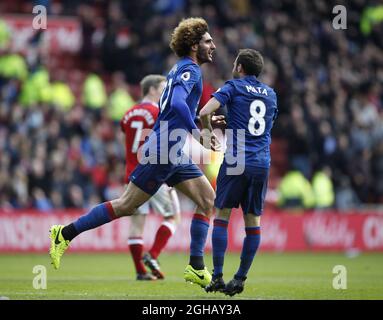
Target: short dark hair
x=188, y=33
x=151, y=80
x=251, y=61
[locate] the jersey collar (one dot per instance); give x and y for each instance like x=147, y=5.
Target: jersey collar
x=250, y=77
x=190, y=58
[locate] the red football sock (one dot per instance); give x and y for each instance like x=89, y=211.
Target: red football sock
x=136, y=246
x=163, y=234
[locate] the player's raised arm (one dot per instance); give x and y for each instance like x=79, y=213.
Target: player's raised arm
x=211, y=106
x=205, y=113
x=205, y=118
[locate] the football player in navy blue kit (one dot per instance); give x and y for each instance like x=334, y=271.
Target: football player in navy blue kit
x=251, y=111
x=162, y=158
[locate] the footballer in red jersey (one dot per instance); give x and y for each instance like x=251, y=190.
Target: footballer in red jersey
x=136, y=125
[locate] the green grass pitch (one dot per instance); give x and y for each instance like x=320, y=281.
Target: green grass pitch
x=272, y=276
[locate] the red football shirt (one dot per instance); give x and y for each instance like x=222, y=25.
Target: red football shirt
x=136, y=124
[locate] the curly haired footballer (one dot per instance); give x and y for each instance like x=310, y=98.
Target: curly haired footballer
x=186, y=34
x=194, y=46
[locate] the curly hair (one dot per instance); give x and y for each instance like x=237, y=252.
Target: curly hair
x=187, y=33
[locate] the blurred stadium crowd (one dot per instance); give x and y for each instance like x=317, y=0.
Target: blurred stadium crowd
x=60, y=144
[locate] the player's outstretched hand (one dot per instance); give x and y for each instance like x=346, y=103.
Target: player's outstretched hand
x=218, y=120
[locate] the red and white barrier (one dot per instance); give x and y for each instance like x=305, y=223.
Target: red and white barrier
x=27, y=231
x=63, y=34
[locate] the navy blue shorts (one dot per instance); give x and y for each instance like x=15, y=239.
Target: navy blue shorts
x=150, y=177
x=247, y=189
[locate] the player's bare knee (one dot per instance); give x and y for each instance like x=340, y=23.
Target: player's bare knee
x=122, y=207
x=251, y=220
x=175, y=220
x=209, y=199
x=207, y=205
x=223, y=214
x=135, y=231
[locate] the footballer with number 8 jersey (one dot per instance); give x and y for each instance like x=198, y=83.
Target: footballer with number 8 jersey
x=194, y=46
x=252, y=109
x=136, y=125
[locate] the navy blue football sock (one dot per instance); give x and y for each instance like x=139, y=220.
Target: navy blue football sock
x=97, y=216
x=249, y=249
x=198, y=233
x=219, y=242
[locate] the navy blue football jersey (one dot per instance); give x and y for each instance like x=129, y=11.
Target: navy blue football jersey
x=251, y=111
x=169, y=129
